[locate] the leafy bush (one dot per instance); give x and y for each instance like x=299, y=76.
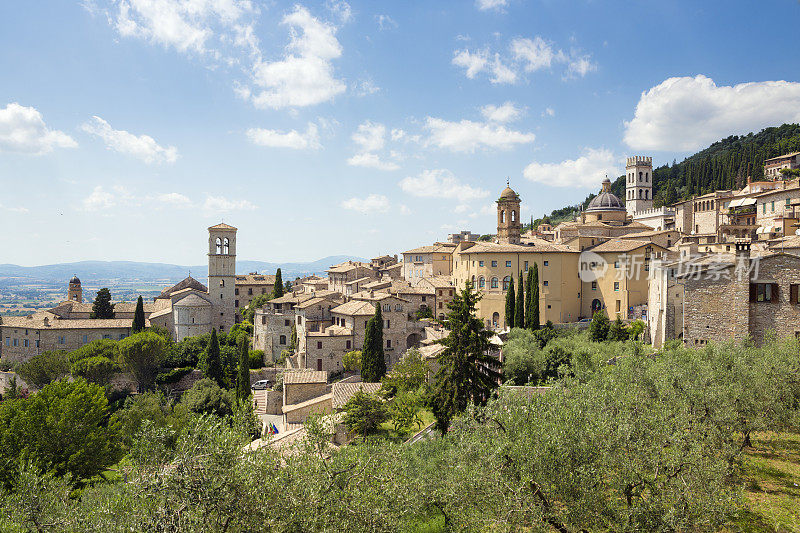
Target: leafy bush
x=256, y=359
x=364, y=413
x=598, y=329
x=410, y=373
x=423, y=312
x=173, y=375
x=206, y=397
x=186, y=352
x=352, y=361
x=96, y=369
x=44, y=368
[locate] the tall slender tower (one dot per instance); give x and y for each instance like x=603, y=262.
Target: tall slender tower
x=509, y=226
x=638, y=184
x=222, y=275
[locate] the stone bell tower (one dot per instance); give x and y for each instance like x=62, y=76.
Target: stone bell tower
x=509, y=226
x=75, y=291
x=638, y=184
x=222, y=275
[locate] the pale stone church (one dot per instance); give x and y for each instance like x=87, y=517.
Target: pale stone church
x=186, y=309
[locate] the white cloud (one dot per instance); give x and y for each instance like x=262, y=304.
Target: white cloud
x=549, y=112
x=685, y=114
x=441, y=183
x=467, y=136
x=370, y=136
x=506, y=112
x=220, y=204
x=524, y=55
x=174, y=199
x=371, y=204
x=586, y=171
x=22, y=129
x=304, y=76
x=142, y=147
x=485, y=5
x=501, y=73
x=535, y=54
x=291, y=139
x=186, y=25
x=404, y=209
x=366, y=88
x=370, y=160
x=385, y=22
x=99, y=199
x=340, y=10
x=21, y=210
x=473, y=62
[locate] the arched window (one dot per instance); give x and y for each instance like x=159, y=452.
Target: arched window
x=506, y=282
x=494, y=283
x=222, y=283
x=502, y=217
x=481, y=282
x=282, y=339
x=646, y=176
x=640, y=176
x=225, y=246
x=513, y=216
x=473, y=281
x=640, y=194
x=646, y=194
x=219, y=245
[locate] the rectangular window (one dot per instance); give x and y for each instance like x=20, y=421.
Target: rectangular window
x=494, y=263
x=794, y=297
x=545, y=283
x=773, y=206
x=236, y=292
x=8, y=341
x=764, y=208
x=594, y=285
x=526, y=266
x=546, y=263
x=16, y=342
x=618, y=306
x=106, y=336
x=388, y=343
x=37, y=343
x=616, y=264
x=236, y=303
x=388, y=323
x=25, y=343
x=61, y=339
x=763, y=292
x=508, y=264
x=480, y=263
x=347, y=345
x=319, y=345
x=616, y=285
x=85, y=339
x=423, y=298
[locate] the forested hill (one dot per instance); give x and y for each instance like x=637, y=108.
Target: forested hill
x=726, y=164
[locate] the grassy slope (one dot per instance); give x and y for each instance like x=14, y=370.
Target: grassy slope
x=771, y=475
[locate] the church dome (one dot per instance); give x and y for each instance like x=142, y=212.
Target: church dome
x=75, y=280
x=508, y=192
x=605, y=201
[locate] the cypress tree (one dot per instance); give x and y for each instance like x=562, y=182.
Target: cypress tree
x=510, y=308
x=519, y=312
x=102, y=306
x=277, y=290
x=243, y=379
x=138, y=317
x=533, y=289
x=212, y=361
x=373, y=366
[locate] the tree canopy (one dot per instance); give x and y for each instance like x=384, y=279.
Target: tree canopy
x=373, y=364
x=102, y=306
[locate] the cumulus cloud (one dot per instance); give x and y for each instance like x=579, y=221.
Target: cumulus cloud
x=141, y=147
x=688, y=113
x=220, y=204
x=524, y=55
x=369, y=160
x=199, y=26
x=293, y=139
x=22, y=130
x=174, y=199
x=370, y=136
x=586, y=171
x=485, y=5
x=474, y=62
x=441, y=183
x=305, y=75
x=468, y=136
x=549, y=112
x=506, y=112
x=373, y=203
x=223, y=33
x=100, y=199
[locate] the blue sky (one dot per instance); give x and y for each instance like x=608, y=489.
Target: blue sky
x=129, y=126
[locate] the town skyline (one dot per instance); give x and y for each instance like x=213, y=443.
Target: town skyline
x=112, y=120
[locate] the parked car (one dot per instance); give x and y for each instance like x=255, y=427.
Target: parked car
x=262, y=384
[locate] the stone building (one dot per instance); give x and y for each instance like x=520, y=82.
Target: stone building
x=745, y=297
x=773, y=166
x=249, y=286
x=509, y=225
x=426, y=262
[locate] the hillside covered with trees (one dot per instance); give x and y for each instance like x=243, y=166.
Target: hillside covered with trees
x=726, y=164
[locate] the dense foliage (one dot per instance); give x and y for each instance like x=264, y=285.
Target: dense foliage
x=102, y=306
x=373, y=364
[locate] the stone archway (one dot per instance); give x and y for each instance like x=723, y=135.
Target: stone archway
x=413, y=340
x=596, y=305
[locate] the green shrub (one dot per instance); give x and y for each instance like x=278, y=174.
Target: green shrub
x=206, y=397
x=173, y=375
x=256, y=359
